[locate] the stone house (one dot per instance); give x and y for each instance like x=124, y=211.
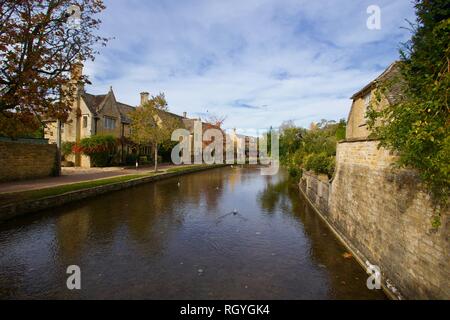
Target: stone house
x=94, y=115
x=357, y=128
x=247, y=144
x=103, y=115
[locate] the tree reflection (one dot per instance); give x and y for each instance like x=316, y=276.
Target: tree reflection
x=275, y=195
x=326, y=251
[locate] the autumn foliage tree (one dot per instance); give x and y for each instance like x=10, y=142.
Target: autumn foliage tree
x=40, y=40
x=216, y=120
x=151, y=124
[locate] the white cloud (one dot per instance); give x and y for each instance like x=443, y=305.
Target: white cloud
x=292, y=59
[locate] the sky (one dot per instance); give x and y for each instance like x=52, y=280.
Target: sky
x=257, y=62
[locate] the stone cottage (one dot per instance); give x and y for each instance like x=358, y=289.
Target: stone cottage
x=104, y=115
x=357, y=128
x=94, y=115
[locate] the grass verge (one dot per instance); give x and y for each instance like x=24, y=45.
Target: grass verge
x=9, y=198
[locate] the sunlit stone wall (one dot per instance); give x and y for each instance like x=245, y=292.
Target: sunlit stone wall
x=316, y=187
x=26, y=160
x=385, y=216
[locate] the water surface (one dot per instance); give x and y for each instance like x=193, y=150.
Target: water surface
x=179, y=239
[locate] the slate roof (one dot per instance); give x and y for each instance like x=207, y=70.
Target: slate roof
x=189, y=125
x=93, y=102
x=96, y=102
x=125, y=110
x=388, y=73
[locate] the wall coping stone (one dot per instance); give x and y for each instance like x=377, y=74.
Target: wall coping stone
x=352, y=140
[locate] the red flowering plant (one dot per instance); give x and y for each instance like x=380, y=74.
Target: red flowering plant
x=77, y=149
x=100, y=148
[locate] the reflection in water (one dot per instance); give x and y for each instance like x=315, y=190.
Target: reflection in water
x=180, y=239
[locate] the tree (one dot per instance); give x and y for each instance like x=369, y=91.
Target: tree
x=290, y=138
x=416, y=124
x=290, y=124
x=265, y=142
x=152, y=124
x=313, y=149
x=38, y=48
x=216, y=120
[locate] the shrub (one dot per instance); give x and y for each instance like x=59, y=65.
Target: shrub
x=101, y=160
x=341, y=131
x=313, y=149
x=295, y=172
x=320, y=163
x=165, y=151
x=67, y=148
x=100, y=148
x=143, y=160
x=131, y=159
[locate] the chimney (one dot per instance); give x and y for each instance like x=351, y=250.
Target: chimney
x=76, y=75
x=185, y=115
x=144, y=98
x=77, y=71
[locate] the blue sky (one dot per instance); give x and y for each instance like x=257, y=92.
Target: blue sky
x=258, y=62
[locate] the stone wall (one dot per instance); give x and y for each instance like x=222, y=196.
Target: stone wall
x=20, y=161
x=316, y=189
x=384, y=216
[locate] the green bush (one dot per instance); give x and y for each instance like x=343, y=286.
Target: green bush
x=165, y=151
x=295, y=172
x=341, y=131
x=320, y=163
x=313, y=149
x=143, y=160
x=101, y=160
x=67, y=148
x=99, y=148
x=131, y=159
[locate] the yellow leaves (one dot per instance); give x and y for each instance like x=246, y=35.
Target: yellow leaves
x=347, y=255
x=152, y=123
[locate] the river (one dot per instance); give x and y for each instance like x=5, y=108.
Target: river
x=226, y=233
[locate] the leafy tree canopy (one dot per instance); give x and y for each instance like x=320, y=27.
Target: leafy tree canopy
x=38, y=48
x=152, y=124
x=311, y=149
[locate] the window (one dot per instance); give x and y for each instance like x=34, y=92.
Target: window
x=110, y=123
x=85, y=121
x=367, y=100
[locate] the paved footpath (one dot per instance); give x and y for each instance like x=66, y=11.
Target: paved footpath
x=74, y=175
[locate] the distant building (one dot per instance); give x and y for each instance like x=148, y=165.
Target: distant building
x=357, y=128
x=248, y=144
